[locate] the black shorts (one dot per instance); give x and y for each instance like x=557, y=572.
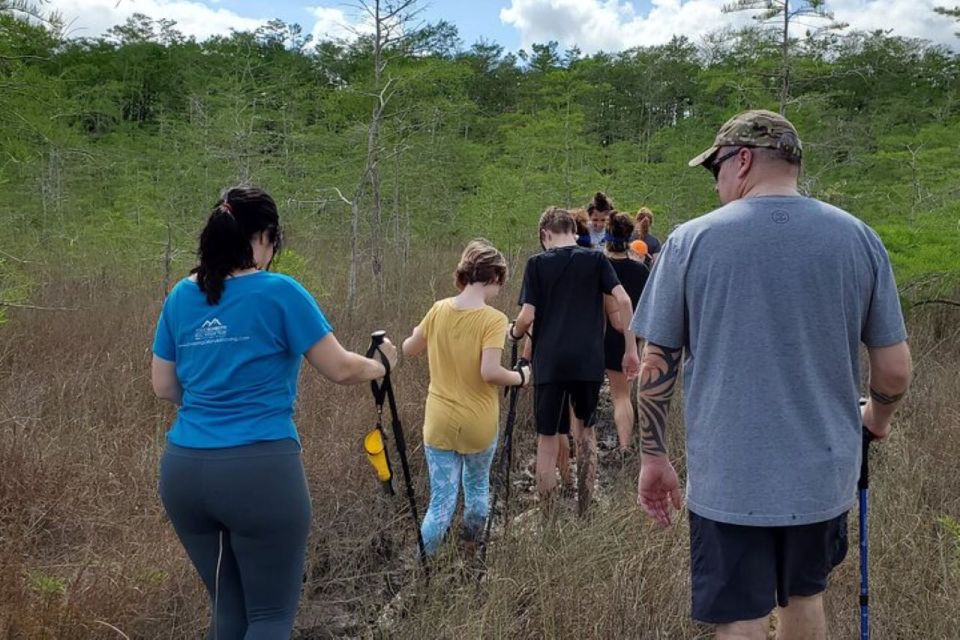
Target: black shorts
x=614, y=345
x=741, y=573
x=551, y=402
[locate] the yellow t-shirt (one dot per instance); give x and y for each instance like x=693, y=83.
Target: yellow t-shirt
x=462, y=410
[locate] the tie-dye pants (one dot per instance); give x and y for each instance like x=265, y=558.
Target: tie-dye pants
x=448, y=471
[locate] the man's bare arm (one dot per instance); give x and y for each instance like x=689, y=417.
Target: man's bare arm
x=659, y=370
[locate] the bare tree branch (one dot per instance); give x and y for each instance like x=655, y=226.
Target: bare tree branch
x=951, y=303
x=14, y=305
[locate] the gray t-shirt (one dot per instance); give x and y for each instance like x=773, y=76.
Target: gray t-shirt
x=771, y=297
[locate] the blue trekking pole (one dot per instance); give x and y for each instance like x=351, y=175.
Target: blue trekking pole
x=863, y=486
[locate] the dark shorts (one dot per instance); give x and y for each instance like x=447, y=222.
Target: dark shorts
x=551, y=402
x=613, y=347
x=742, y=573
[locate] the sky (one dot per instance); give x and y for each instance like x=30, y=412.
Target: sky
x=591, y=25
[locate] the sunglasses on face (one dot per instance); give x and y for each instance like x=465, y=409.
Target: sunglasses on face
x=714, y=166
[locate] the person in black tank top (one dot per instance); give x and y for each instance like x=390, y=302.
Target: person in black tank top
x=633, y=276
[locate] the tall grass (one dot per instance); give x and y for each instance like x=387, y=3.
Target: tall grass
x=86, y=551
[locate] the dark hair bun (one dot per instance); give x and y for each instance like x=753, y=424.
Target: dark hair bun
x=600, y=202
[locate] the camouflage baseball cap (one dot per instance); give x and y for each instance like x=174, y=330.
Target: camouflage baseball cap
x=758, y=128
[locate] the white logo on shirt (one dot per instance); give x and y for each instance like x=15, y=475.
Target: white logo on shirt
x=213, y=332
x=210, y=330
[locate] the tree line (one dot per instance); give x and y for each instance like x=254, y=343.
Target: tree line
x=408, y=134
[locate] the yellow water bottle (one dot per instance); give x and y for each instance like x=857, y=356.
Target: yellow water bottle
x=377, y=455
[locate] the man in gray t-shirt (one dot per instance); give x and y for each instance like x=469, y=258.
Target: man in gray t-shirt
x=768, y=325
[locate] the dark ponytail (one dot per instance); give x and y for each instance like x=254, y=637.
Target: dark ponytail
x=239, y=215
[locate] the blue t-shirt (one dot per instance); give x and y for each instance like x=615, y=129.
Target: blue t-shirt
x=238, y=361
x=771, y=325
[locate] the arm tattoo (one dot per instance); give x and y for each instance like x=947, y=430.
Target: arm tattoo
x=658, y=377
x=885, y=398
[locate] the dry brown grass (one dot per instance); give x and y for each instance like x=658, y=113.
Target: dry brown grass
x=86, y=552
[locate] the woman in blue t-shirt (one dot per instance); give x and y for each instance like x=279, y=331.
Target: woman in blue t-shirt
x=227, y=351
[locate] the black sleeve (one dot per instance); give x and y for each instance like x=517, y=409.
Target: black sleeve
x=530, y=290
x=608, y=277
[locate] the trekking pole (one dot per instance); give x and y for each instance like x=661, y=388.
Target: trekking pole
x=863, y=487
x=506, y=455
x=384, y=391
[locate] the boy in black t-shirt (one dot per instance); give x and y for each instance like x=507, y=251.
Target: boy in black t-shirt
x=564, y=289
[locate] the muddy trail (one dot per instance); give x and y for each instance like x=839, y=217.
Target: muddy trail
x=404, y=583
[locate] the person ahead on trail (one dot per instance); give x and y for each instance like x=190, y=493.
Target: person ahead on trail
x=771, y=380
x=599, y=211
x=584, y=239
x=644, y=220
x=227, y=351
x=463, y=338
x=633, y=276
x=563, y=293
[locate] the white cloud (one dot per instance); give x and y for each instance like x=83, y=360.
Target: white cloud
x=914, y=18
x=614, y=25
x=335, y=24
x=90, y=18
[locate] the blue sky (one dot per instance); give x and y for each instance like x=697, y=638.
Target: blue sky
x=474, y=18
x=592, y=25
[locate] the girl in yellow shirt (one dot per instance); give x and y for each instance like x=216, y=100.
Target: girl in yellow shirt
x=463, y=338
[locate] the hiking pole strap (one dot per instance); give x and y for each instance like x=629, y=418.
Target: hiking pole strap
x=376, y=339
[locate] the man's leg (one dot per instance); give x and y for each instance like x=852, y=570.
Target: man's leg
x=584, y=397
x=803, y=619
x=743, y=630
x=808, y=554
x=553, y=422
x=586, y=441
x=547, y=449
x=733, y=577
x=563, y=463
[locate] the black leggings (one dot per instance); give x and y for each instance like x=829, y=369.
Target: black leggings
x=243, y=515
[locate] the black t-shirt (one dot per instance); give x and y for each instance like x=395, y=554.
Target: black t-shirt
x=566, y=286
x=633, y=276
